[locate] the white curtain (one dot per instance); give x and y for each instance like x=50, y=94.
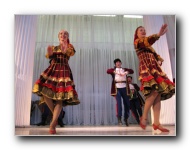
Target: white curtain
x=25, y=37
x=98, y=40
x=171, y=39
x=153, y=24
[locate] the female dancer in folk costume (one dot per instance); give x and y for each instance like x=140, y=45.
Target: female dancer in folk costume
x=55, y=85
x=155, y=84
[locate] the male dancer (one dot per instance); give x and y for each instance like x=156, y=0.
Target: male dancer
x=120, y=89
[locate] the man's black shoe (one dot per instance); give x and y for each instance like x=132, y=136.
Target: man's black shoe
x=60, y=122
x=126, y=122
x=41, y=124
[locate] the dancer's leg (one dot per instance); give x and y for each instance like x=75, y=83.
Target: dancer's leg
x=156, y=109
x=56, y=112
x=148, y=103
x=49, y=103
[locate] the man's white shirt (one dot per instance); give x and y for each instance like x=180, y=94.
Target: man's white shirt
x=119, y=77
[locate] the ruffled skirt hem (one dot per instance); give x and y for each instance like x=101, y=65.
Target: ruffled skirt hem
x=163, y=86
x=68, y=98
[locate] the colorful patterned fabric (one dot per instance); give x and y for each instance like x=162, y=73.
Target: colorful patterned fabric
x=150, y=73
x=56, y=82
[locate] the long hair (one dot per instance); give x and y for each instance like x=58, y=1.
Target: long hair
x=135, y=36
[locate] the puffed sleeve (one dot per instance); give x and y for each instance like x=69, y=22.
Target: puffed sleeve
x=146, y=42
x=47, y=54
x=70, y=50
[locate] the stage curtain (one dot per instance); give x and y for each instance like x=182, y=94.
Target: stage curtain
x=24, y=45
x=171, y=39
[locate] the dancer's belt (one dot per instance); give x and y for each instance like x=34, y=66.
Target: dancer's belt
x=120, y=81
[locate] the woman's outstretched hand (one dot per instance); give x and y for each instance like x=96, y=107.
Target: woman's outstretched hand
x=50, y=50
x=163, y=30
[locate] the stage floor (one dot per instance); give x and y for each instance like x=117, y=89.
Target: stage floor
x=132, y=130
